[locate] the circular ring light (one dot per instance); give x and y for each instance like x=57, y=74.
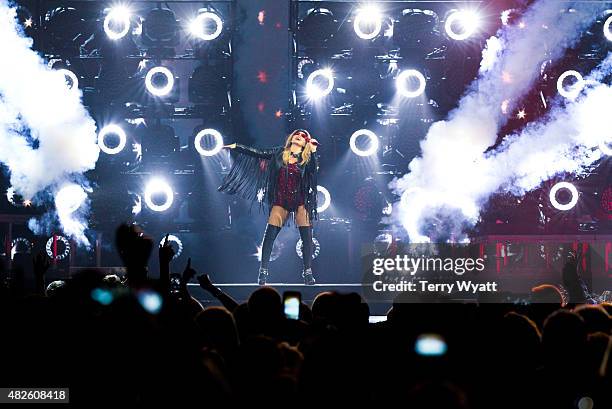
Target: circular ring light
x=313, y=90
x=156, y=186
x=112, y=130
x=371, y=18
x=72, y=82
x=553, y=196
x=364, y=133
x=120, y=15
x=467, y=19
x=62, y=255
x=216, y=135
x=401, y=83
x=154, y=89
x=574, y=89
x=327, y=199
x=198, y=24
x=24, y=242
x=315, y=250
x=177, y=241
x=606, y=28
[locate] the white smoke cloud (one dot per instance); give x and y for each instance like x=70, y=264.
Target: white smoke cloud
x=37, y=105
x=446, y=187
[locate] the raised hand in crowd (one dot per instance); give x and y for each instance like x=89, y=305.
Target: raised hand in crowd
x=166, y=254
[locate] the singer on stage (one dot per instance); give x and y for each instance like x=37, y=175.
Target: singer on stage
x=283, y=179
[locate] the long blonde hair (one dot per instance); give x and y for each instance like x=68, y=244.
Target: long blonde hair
x=306, y=150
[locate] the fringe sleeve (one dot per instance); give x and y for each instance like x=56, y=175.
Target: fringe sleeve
x=250, y=173
x=310, y=181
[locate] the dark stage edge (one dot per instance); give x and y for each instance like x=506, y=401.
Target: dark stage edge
x=241, y=291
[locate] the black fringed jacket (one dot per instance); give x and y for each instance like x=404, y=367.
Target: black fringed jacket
x=255, y=173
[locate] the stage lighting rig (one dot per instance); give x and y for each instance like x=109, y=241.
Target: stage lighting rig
x=208, y=142
x=208, y=88
x=461, y=24
x=117, y=136
x=159, y=81
x=416, y=29
x=320, y=83
x=117, y=22
x=567, y=189
x=317, y=28
x=160, y=31
x=361, y=148
x=206, y=26
x=158, y=195
x=574, y=89
x=160, y=144
x=410, y=83
x=66, y=28
x=368, y=23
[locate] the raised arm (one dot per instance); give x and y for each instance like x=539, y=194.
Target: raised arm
x=251, y=151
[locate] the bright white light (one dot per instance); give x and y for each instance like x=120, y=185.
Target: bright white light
x=216, y=135
x=402, y=81
x=553, y=196
x=468, y=21
x=606, y=29
x=368, y=23
x=72, y=82
x=326, y=199
x=10, y=195
x=430, y=345
x=605, y=148
x=155, y=187
x=137, y=206
x=159, y=91
x=150, y=301
x=364, y=133
x=177, y=241
x=198, y=25
x=313, y=89
x=69, y=198
x=111, y=130
x=573, y=91
x=118, y=17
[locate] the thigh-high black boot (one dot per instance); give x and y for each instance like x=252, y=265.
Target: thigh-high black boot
x=306, y=235
x=266, y=251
